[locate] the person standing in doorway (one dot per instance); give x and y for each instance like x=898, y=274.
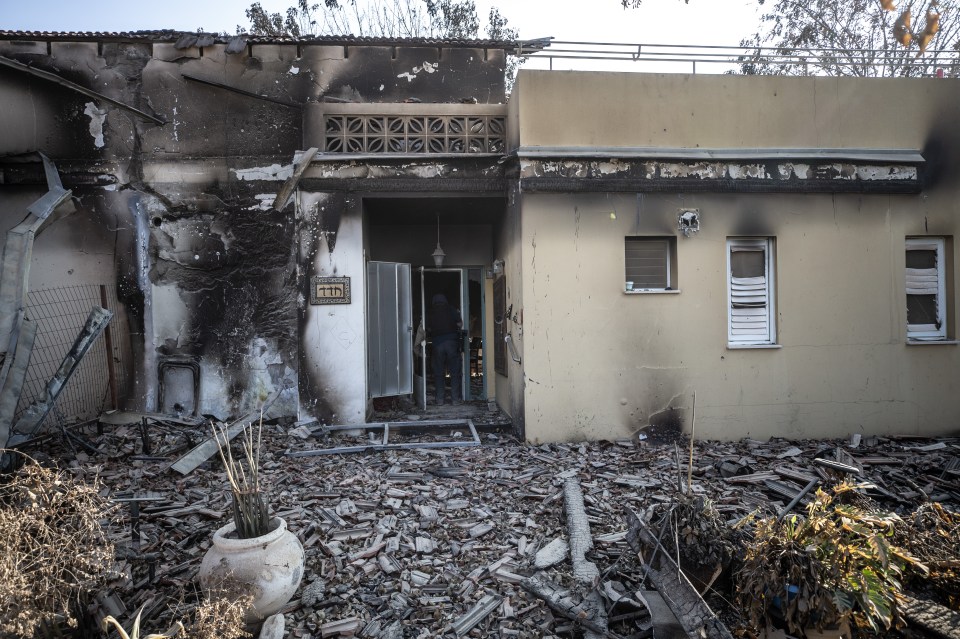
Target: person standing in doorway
x=443, y=325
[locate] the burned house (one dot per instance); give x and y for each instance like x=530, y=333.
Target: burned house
x=273, y=217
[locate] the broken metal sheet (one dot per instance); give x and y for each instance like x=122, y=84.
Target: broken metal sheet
x=478, y=613
x=30, y=421
x=205, y=450
x=299, y=166
x=53, y=77
x=13, y=382
x=17, y=251
x=16, y=334
x=400, y=427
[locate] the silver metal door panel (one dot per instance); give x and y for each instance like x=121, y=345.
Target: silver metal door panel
x=389, y=330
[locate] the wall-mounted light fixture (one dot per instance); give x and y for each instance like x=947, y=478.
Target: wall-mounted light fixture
x=438, y=254
x=495, y=269
x=688, y=221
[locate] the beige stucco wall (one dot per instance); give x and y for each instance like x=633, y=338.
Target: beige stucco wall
x=721, y=111
x=508, y=246
x=599, y=363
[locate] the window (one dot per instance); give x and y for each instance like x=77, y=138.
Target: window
x=750, y=292
x=926, y=289
x=649, y=263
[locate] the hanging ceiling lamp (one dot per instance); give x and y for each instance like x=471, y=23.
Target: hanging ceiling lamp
x=438, y=254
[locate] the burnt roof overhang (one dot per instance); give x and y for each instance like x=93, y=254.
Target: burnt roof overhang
x=626, y=169
x=207, y=39
x=476, y=173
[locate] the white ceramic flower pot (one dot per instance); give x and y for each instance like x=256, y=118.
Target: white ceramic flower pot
x=271, y=565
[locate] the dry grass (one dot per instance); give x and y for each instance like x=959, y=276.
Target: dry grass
x=220, y=618
x=215, y=618
x=53, y=548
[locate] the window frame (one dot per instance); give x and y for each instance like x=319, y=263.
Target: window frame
x=938, y=334
x=767, y=245
x=669, y=255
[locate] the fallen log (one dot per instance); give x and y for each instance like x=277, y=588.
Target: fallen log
x=565, y=604
x=585, y=572
x=693, y=613
x=938, y=620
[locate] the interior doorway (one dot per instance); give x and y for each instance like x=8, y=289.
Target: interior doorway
x=463, y=289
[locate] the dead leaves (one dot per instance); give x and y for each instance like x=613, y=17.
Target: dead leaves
x=902, y=29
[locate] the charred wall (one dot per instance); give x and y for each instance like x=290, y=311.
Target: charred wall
x=180, y=167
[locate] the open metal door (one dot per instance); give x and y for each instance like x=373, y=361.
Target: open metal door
x=420, y=372
x=389, y=330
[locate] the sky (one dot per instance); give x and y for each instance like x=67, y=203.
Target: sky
x=701, y=22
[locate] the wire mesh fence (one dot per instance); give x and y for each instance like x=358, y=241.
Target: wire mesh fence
x=60, y=314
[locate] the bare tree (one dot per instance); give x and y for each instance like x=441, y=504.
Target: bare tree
x=855, y=38
x=635, y=4
x=375, y=18
x=497, y=29
x=454, y=19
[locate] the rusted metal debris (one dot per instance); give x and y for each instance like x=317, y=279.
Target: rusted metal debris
x=443, y=541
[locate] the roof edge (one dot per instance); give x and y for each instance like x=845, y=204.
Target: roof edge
x=904, y=156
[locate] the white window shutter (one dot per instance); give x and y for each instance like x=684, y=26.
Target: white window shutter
x=929, y=282
x=750, y=312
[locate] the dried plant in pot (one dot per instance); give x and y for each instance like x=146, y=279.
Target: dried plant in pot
x=255, y=553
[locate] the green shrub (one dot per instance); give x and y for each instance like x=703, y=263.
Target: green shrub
x=839, y=560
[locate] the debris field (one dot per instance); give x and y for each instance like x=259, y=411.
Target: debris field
x=431, y=542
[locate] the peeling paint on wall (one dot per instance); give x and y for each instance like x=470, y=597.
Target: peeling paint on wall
x=274, y=172
x=694, y=174
x=703, y=170
x=264, y=202
x=746, y=171
x=427, y=67
x=97, y=117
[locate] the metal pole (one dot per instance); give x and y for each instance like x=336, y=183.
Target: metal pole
x=111, y=373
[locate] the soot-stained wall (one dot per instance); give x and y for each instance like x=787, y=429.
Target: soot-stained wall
x=183, y=180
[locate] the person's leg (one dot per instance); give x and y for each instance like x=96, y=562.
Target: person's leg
x=438, y=361
x=455, y=365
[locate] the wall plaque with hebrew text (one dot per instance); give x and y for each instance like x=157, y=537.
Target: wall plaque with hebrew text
x=329, y=290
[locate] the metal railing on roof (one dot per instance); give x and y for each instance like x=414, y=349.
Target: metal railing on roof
x=739, y=59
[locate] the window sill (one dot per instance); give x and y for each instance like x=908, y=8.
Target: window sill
x=652, y=291
x=741, y=347
x=932, y=342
